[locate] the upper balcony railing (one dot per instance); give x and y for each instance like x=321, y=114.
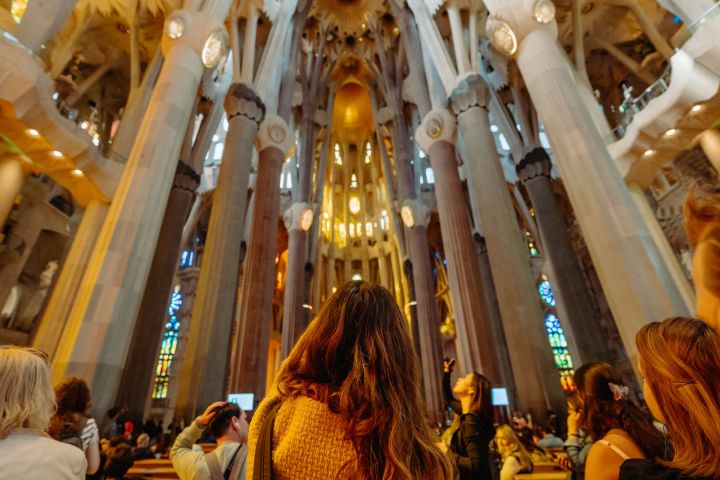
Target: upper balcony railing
x=632, y=106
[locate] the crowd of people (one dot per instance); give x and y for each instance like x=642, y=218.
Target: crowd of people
x=347, y=404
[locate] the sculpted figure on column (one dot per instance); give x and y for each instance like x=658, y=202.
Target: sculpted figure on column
x=638, y=284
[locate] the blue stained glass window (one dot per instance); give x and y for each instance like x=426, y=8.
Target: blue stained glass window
x=546, y=293
x=556, y=336
x=168, y=346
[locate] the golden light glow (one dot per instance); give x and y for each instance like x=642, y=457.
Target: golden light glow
x=671, y=132
x=77, y=172
x=17, y=9
x=649, y=153
x=354, y=205
x=32, y=132
x=56, y=154
x=696, y=108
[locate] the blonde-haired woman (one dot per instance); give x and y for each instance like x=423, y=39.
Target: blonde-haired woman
x=702, y=224
x=680, y=360
x=27, y=401
x=515, y=459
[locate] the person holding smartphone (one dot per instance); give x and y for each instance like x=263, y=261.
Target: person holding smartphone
x=469, y=447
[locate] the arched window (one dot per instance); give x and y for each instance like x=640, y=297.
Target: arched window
x=368, y=152
x=338, y=156
x=168, y=346
x=556, y=335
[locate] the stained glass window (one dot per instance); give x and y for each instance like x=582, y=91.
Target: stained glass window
x=187, y=258
x=163, y=370
x=546, y=293
x=556, y=336
x=368, y=152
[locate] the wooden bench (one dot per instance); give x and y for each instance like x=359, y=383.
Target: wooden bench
x=544, y=467
x=153, y=469
x=153, y=472
x=543, y=476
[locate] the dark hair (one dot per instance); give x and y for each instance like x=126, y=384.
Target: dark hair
x=601, y=412
x=73, y=399
x=113, y=412
x=119, y=461
x=223, y=416
x=73, y=396
x=356, y=356
x=481, y=402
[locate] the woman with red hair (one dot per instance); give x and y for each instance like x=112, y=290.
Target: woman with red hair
x=680, y=360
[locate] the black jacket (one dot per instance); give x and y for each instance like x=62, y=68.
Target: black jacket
x=469, y=447
x=642, y=469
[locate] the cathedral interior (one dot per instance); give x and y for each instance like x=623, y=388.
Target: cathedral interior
x=183, y=184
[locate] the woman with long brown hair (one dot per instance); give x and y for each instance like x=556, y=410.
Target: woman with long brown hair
x=346, y=402
x=702, y=224
x=469, y=449
x=680, y=360
x=619, y=428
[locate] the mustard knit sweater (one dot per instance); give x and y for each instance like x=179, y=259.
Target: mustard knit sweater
x=308, y=441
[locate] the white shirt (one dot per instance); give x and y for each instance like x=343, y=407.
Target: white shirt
x=32, y=455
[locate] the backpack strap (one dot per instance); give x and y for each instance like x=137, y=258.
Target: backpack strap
x=262, y=468
x=213, y=464
x=237, y=463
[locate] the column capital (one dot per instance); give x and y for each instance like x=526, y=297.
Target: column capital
x=242, y=100
x=470, y=91
x=299, y=216
x=414, y=213
x=511, y=21
x=194, y=30
x=274, y=132
x=186, y=178
x=436, y=125
x=536, y=163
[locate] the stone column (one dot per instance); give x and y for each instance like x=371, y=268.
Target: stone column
x=298, y=219
x=494, y=318
x=637, y=192
x=249, y=356
x=476, y=339
x=98, y=332
x=206, y=353
x=58, y=308
x=574, y=301
x=12, y=178
x=139, y=372
x=426, y=331
x=522, y=314
x=41, y=21
x=636, y=282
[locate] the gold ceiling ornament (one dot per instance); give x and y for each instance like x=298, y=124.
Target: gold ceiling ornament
x=352, y=17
